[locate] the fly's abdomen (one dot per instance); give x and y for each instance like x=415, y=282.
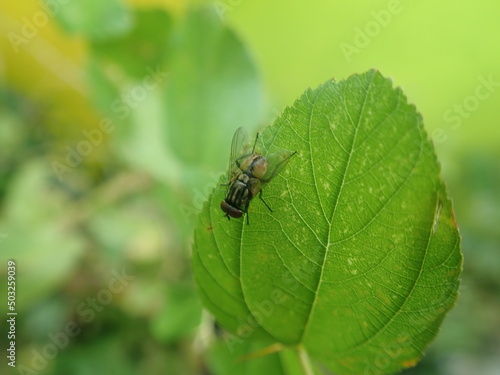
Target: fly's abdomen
x=239, y=195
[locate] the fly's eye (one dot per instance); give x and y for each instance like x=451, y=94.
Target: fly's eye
x=224, y=206
x=230, y=210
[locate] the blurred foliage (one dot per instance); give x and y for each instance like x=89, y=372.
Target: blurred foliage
x=144, y=158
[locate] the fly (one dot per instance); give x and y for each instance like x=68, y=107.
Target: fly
x=249, y=172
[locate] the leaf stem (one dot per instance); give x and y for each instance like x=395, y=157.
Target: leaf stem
x=262, y=352
x=305, y=362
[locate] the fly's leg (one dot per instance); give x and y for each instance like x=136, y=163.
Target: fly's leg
x=255, y=143
x=263, y=201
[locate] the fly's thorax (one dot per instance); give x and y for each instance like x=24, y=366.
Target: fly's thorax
x=255, y=165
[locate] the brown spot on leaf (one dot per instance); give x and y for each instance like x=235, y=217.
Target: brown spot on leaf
x=409, y=363
x=453, y=220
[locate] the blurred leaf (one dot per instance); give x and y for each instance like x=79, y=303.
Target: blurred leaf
x=359, y=262
x=93, y=19
x=177, y=134
x=12, y=133
x=126, y=70
x=12, y=137
x=124, y=73
x=104, y=91
x=38, y=235
x=145, y=45
x=477, y=203
x=49, y=315
x=213, y=88
x=108, y=355
x=133, y=229
x=180, y=315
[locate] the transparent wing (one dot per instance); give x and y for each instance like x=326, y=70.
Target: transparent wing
x=276, y=163
x=240, y=147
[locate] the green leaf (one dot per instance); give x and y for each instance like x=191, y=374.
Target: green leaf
x=359, y=262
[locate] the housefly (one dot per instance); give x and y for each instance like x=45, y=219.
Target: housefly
x=249, y=172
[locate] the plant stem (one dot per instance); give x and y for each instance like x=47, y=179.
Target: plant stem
x=305, y=361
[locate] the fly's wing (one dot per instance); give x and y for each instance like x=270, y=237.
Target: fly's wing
x=276, y=163
x=240, y=147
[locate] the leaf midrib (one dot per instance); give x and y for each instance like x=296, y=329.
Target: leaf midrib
x=320, y=280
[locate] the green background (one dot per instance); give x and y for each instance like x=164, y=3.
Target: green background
x=132, y=201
